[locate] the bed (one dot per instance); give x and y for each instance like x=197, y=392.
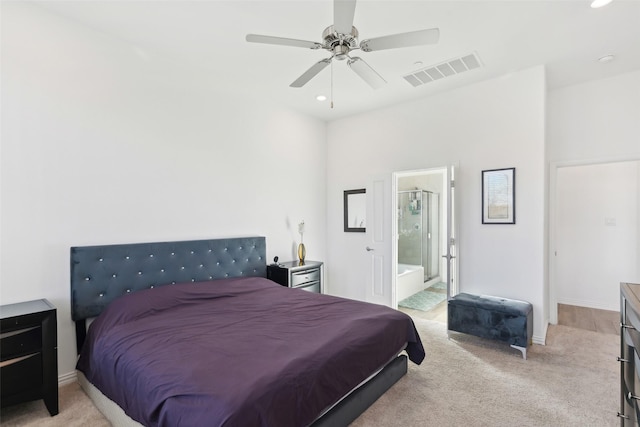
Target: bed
x=222, y=345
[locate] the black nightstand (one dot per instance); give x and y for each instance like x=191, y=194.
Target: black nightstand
x=307, y=276
x=29, y=353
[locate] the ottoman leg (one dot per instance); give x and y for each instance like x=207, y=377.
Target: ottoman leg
x=522, y=349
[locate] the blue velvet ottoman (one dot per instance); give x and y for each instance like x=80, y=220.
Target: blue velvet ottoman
x=491, y=317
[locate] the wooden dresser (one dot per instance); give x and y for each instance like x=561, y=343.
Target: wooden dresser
x=629, y=354
x=29, y=353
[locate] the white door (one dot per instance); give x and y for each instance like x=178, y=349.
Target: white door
x=380, y=268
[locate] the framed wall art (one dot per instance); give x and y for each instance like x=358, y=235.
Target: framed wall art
x=499, y=196
x=355, y=210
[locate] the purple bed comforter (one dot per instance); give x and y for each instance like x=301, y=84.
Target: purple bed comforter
x=238, y=352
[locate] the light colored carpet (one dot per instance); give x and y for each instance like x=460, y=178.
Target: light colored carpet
x=76, y=410
x=469, y=381
x=423, y=300
x=465, y=381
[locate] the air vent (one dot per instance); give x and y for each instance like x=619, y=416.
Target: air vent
x=442, y=70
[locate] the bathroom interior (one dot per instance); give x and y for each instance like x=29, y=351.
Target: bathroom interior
x=421, y=281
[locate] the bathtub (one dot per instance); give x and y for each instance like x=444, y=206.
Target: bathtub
x=410, y=280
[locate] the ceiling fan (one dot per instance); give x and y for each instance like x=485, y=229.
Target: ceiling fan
x=341, y=39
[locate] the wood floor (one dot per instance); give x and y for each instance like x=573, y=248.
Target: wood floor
x=591, y=319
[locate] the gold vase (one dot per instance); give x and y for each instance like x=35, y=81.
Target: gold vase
x=302, y=252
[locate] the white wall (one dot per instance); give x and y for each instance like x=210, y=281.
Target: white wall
x=100, y=145
x=598, y=120
x=494, y=124
x=597, y=234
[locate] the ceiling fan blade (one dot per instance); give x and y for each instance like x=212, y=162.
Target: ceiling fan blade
x=343, y=12
x=256, y=38
x=311, y=73
x=413, y=38
x=367, y=73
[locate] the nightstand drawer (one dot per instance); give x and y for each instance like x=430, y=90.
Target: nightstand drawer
x=310, y=287
x=20, y=375
x=20, y=322
x=301, y=277
x=20, y=342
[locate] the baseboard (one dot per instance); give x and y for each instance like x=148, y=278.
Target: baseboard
x=541, y=339
x=67, y=378
x=586, y=303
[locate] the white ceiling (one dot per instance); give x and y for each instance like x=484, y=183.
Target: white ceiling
x=207, y=39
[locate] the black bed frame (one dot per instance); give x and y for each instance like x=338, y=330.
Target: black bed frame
x=100, y=274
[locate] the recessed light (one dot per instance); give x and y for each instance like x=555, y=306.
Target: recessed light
x=599, y=3
x=321, y=98
x=417, y=63
x=606, y=58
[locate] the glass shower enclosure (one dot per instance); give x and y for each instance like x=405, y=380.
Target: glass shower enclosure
x=419, y=230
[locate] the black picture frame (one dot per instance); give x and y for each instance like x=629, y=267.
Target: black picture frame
x=355, y=210
x=499, y=196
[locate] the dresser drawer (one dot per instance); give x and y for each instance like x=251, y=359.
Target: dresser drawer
x=632, y=319
x=628, y=365
x=20, y=342
x=630, y=411
x=634, y=386
x=21, y=375
x=299, y=278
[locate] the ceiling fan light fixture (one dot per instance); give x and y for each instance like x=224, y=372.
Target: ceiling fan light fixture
x=341, y=38
x=341, y=52
x=595, y=4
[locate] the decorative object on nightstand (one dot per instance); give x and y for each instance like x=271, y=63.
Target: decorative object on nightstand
x=29, y=353
x=307, y=277
x=302, y=251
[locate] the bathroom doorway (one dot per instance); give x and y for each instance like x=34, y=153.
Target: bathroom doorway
x=422, y=244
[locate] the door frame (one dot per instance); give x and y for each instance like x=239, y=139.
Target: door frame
x=551, y=249
x=446, y=205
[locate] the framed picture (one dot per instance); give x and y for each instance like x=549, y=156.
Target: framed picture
x=355, y=210
x=499, y=196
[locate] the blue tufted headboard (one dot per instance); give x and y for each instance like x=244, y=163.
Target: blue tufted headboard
x=100, y=274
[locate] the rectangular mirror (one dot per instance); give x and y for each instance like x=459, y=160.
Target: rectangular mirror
x=355, y=210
